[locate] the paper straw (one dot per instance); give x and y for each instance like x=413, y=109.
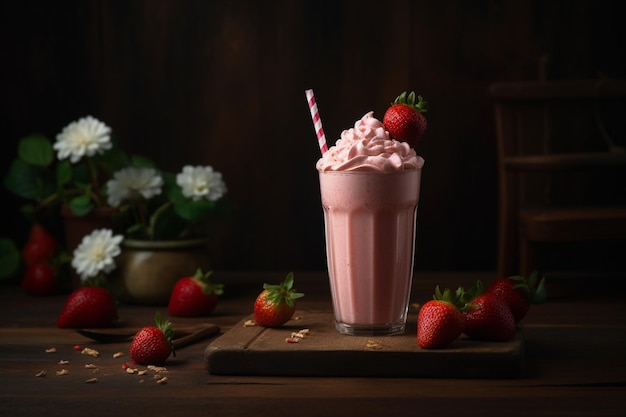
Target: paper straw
x=317, y=122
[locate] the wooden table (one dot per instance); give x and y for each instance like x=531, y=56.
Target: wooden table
x=574, y=365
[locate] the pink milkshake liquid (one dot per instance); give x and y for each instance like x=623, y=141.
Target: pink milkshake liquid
x=370, y=220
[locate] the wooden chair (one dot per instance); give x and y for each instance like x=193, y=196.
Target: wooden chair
x=561, y=170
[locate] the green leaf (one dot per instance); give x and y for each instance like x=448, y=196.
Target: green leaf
x=81, y=175
x=166, y=327
x=472, y=293
x=194, y=210
x=28, y=181
x=134, y=228
x=64, y=173
x=541, y=294
x=411, y=98
x=81, y=205
x=36, y=150
x=111, y=161
x=170, y=188
x=28, y=210
x=288, y=282
x=142, y=161
x=10, y=260
x=283, y=291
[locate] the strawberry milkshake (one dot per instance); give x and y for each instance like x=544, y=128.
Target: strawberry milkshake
x=369, y=186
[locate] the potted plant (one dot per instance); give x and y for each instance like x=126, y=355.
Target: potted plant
x=167, y=220
x=85, y=176
x=66, y=178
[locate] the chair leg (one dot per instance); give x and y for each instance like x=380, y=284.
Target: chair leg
x=507, y=259
x=526, y=257
x=504, y=261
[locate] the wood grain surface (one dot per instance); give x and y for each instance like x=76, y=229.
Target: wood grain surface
x=255, y=350
x=573, y=365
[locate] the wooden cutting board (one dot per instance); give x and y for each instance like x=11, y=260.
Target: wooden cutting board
x=255, y=350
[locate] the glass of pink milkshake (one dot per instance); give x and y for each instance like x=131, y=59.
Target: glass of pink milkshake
x=369, y=186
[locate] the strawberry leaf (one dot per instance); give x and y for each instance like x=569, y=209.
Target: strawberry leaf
x=208, y=287
x=283, y=291
x=533, y=286
x=409, y=100
x=166, y=327
x=456, y=298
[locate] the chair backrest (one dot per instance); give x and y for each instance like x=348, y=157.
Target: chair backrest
x=560, y=143
x=555, y=133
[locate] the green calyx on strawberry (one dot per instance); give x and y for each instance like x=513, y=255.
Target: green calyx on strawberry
x=276, y=304
x=519, y=292
x=88, y=307
x=487, y=316
x=405, y=120
x=194, y=296
x=152, y=345
x=440, y=321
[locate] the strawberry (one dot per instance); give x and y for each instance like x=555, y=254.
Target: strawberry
x=194, y=296
x=40, y=246
x=519, y=292
x=152, y=345
x=40, y=278
x=88, y=307
x=276, y=304
x=440, y=321
x=487, y=316
x=405, y=120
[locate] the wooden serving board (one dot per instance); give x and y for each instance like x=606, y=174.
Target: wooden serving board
x=255, y=350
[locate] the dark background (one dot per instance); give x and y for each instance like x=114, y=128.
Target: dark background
x=222, y=83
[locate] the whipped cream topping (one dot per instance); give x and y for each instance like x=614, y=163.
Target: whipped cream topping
x=368, y=147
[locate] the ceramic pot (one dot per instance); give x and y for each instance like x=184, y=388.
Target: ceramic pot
x=148, y=270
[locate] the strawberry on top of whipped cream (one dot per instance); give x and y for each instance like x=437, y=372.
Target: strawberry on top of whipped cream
x=368, y=147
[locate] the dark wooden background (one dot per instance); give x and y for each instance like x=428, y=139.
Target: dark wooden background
x=222, y=83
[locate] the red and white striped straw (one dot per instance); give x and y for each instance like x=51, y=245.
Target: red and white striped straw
x=317, y=122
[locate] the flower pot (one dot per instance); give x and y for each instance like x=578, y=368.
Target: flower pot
x=148, y=270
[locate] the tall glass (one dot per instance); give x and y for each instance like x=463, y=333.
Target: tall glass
x=370, y=223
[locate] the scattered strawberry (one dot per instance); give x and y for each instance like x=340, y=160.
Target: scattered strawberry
x=194, y=296
x=440, y=321
x=152, y=345
x=487, y=316
x=40, y=278
x=41, y=246
x=519, y=293
x=276, y=304
x=405, y=120
x=88, y=307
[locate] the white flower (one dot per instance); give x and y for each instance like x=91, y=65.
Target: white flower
x=96, y=252
x=86, y=137
x=201, y=182
x=130, y=183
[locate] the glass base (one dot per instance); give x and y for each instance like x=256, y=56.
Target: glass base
x=369, y=330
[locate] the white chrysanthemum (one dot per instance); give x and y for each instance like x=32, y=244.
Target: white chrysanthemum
x=201, y=182
x=85, y=137
x=130, y=183
x=96, y=252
